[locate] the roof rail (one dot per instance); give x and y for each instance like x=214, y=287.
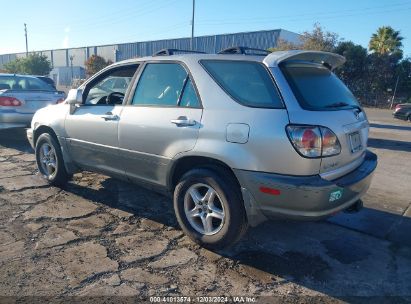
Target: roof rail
x=244, y=50
x=168, y=52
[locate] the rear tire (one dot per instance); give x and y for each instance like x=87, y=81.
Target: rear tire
x=50, y=160
x=209, y=207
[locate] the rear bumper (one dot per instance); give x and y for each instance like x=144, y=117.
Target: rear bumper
x=15, y=120
x=303, y=197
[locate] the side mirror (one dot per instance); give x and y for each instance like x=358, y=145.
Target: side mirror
x=75, y=97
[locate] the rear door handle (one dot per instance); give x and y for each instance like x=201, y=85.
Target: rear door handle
x=183, y=121
x=110, y=116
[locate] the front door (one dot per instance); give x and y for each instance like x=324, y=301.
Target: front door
x=162, y=120
x=92, y=129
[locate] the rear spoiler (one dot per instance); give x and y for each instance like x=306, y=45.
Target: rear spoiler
x=330, y=60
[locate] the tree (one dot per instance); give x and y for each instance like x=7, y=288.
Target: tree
x=403, y=72
x=14, y=66
x=34, y=64
x=96, y=63
x=354, y=71
x=318, y=40
x=284, y=45
x=386, y=41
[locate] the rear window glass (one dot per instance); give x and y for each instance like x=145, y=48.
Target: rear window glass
x=247, y=82
x=316, y=87
x=21, y=83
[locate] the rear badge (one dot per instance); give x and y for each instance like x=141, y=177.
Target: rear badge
x=336, y=195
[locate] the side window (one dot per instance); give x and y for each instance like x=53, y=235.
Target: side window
x=247, y=82
x=189, y=97
x=160, y=84
x=103, y=90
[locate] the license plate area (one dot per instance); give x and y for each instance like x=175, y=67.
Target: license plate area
x=37, y=104
x=355, y=141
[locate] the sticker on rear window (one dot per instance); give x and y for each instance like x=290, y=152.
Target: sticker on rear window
x=335, y=195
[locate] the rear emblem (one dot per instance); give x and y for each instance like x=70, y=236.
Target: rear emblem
x=357, y=114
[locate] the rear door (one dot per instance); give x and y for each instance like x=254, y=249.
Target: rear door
x=92, y=128
x=162, y=120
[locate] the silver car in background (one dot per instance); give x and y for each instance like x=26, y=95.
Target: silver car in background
x=236, y=139
x=21, y=96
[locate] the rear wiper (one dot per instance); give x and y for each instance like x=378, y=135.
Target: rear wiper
x=343, y=104
x=337, y=105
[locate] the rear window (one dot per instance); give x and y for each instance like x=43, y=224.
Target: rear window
x=21, y=83
x=247, y=82
x=316, y=87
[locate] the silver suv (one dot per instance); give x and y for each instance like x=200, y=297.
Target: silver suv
x=235, y=138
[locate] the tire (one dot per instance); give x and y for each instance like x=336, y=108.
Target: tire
x=214, y=199
x=50, y=160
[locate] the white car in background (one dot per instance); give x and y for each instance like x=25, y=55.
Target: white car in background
x=21, y=96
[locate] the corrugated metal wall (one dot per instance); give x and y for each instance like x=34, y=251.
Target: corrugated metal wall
x=117, y=52
x=208, y=44
x=62, y=76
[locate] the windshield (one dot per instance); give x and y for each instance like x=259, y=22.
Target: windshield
x=316, y=87
x=21, y=83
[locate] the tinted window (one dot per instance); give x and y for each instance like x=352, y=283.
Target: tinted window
x=316, y=87
x=249, y=83
x=189, y=98
x=160, y=84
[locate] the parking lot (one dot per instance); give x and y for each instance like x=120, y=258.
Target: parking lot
x=102, y=237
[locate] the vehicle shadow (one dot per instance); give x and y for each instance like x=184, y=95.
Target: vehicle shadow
x=389, y=144
x=389, y=126
x=129, y=198
x=329, y=257
x=15, y=139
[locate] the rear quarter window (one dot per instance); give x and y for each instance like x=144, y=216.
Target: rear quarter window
x=247, y=82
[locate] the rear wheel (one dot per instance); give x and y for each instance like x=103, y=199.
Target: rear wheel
x=50, y=160
x=209, y=207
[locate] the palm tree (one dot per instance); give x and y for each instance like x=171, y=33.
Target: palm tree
x=386, y=41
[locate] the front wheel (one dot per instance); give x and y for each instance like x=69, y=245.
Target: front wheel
x=209, y=207
x=50, y=160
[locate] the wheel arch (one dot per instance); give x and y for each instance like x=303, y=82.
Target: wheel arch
x=41, y=130
x=71, y=168
x=186, y=163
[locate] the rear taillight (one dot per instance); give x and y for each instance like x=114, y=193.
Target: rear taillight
x=60, y=100
x=330, y=143
x=314, y=141
x=7, y=101
x=397, y=107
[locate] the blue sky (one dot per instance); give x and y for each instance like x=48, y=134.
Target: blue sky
x=59, y=24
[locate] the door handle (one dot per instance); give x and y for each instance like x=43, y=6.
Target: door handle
x=110, y=116
x=183, y=121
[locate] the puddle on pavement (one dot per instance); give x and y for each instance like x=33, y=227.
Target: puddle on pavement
x=290, y=264
x=345, y=250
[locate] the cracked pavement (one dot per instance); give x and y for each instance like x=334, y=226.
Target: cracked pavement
x=102, y=237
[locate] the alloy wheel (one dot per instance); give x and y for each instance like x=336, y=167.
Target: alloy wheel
x=204, y=209
x=48, y=160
